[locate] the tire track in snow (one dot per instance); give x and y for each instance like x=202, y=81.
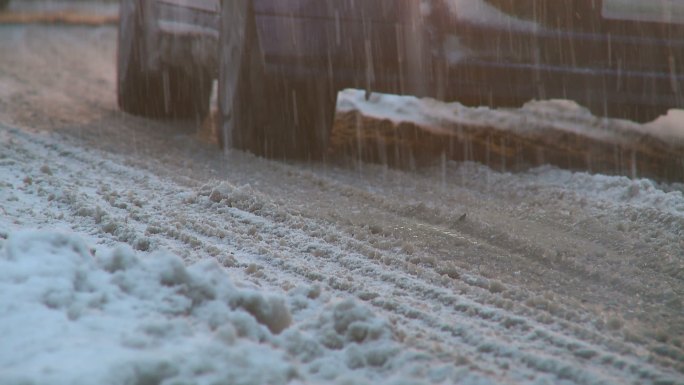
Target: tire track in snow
x=550, y=253
x=457, y=318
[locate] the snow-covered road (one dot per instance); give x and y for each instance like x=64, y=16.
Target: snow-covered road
x=340, y=272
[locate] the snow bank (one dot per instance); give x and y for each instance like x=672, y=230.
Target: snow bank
x=616, y=191
x=669, y=126
x=535, y=115
x=72, y=316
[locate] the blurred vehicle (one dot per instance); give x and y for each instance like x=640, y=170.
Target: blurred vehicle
x=167, y=52
x=280, y=63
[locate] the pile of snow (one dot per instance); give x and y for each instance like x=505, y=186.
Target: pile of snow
x=669, y=126
x=615, y=191
x=74, y=316
x=71, y=318
x=548, y=183
x=559, y=114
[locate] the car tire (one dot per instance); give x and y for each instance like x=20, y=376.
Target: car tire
x=267, y=114
x=166, y=93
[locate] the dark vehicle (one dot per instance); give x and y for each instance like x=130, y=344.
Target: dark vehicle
x=167, y=53
x=280, y=63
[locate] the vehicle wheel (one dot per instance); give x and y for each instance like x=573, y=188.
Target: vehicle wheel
x=267, y=114
x=168, y=93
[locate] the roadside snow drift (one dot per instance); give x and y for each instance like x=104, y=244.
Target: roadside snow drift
x=559, y=114
x=71, y=317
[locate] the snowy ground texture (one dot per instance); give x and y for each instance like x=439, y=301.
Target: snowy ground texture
x=134, y=252
x=78, y=312
x=71, y=317
x=91, y=293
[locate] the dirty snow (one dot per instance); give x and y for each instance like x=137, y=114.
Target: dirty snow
x=534, y=115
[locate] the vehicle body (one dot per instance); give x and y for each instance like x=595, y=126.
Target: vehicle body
x=621, y=58
x=500, y=52
x=167, y=56
x=181, y=33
